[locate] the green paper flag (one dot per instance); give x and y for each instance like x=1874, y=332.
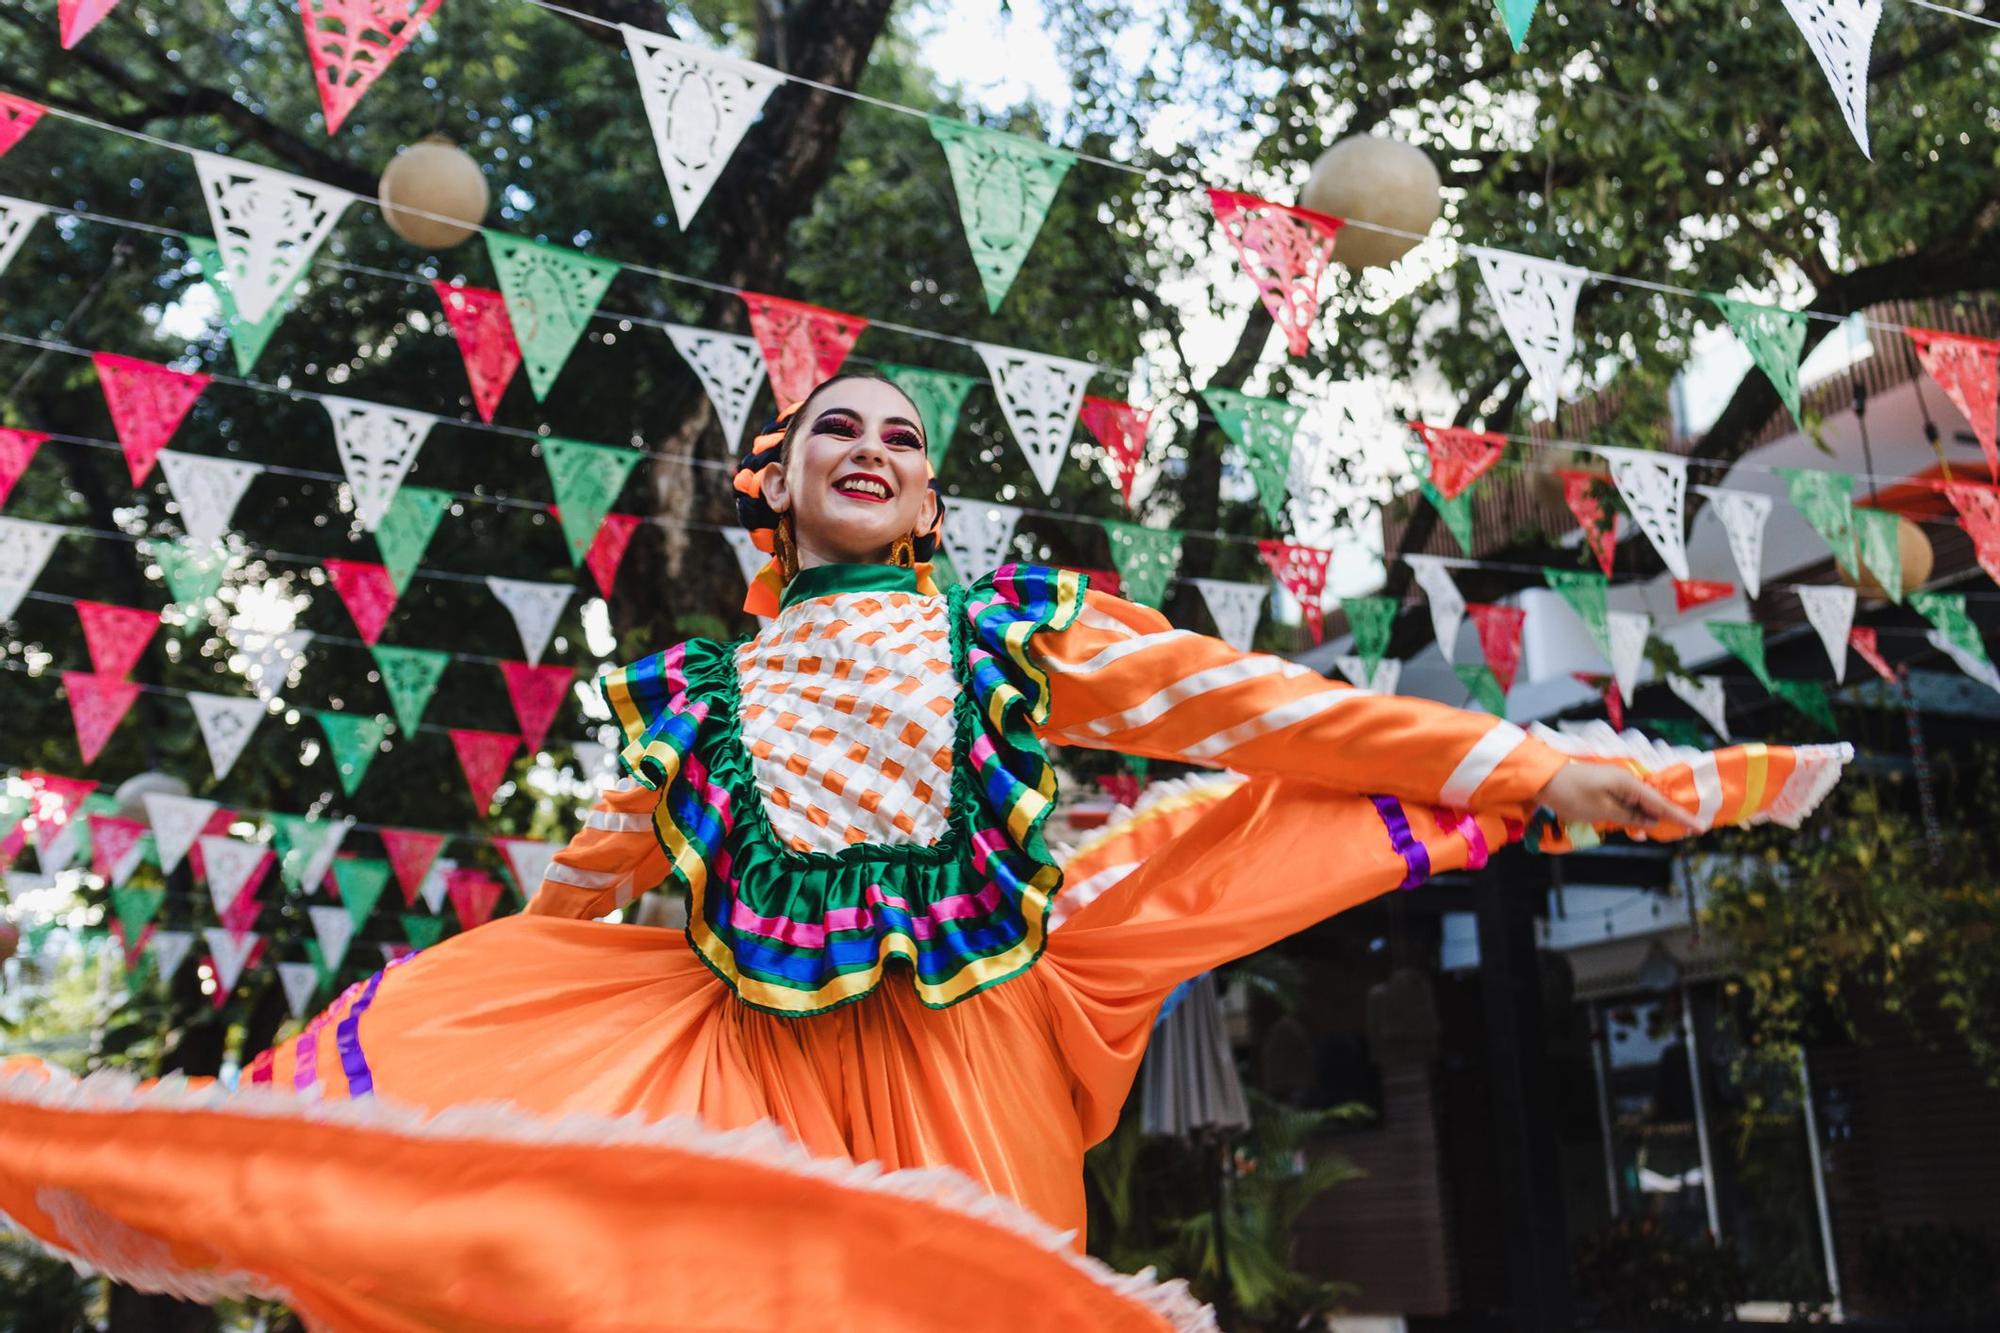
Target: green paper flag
x=194, y=574
x=939, y=395
x=1809, y=697
x=299, y=840
x=246, y=337
x=422, y=931
x=405, y=530
x=1584, y=590
x=1456, y=513
x=1827, y=501
x=1262, y=429
x=943, y=572
x=1946, y=610
x=361, y=880
x=1517, y=15
x=587, y=478
x=1485, y=687
x=550, y=292
x=37, y=937
x=1146, y=559
x=1005, y=185
x=410, y=675
x=1774, y=338
x=1371, y=620
x=13, y=809
x=355, y=739
x=1677, y=730
x=135, y=909
x=1745, y=638
x=317, y=957
x=1878, y=539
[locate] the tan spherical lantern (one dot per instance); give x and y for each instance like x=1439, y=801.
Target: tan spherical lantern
x=1368, y=178
x=441, y=191
x=1917, y=557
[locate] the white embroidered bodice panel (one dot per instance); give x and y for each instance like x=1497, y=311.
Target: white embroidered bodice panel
x=847, y=709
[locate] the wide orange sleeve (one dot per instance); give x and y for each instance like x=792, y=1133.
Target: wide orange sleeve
x=613, y=859
x=1122, y=678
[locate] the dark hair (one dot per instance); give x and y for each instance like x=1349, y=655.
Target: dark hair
x=793, y=426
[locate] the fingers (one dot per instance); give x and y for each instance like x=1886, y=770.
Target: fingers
x=1655, y=803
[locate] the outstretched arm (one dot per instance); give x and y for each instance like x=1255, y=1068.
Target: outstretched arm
x=613, y=859
x=1122, y=678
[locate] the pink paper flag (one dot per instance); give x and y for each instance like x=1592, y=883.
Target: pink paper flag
x=17, y=450
x=473, y=895
x=1614, y=702
x=250, y=961
x=486, y=341
x=369, y=592
x=52, y=800
x=410, y=855
x=217, y=825
x=1580, y=493
x=537, y=694
x=132, y=949
x=148, y=403
x=350, y=43
x=241, y=917
x=802, y=344
x=97, y=704
x=17, y=116
x=1302, y=570
x=1979, y=514
x=115, y=636
x=1459, y=456
x=1690, y=593
x=1862, y=640
x=75, y=18
x=485, y=756
x=111, y=841
x=607, y=549
x=1968, y=370
x=1285, y=251
x=1121, y=428
x=1499, y=638
x=1101, y=580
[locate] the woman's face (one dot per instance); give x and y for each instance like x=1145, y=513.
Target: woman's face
x=857, y=477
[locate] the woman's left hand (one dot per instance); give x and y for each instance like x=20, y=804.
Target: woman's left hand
x=1583, y=793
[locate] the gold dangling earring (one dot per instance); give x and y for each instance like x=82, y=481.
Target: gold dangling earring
x=787, y=550
x=904, y=553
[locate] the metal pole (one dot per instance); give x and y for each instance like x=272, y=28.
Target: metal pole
x=1700, y=1115
x=1598, y=1056
x=1819, y=1187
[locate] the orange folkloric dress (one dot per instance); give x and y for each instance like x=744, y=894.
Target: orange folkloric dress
x=878, y=970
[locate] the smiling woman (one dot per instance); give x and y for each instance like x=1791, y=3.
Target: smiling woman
x=881, y=959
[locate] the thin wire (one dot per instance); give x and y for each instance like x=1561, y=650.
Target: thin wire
x=1966, y=14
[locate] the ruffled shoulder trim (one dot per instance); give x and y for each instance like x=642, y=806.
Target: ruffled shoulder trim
x=1008, y=607
x=660, y=702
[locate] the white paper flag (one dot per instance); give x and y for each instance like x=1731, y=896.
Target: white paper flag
x=377, y=444
x=1235, y=608
x=1040, y=395
x=24, y=549
x=58, y=847
x=268, y=225
x=313, y=847
x=229, y=863
x=1388, y=673
x=16, y=217
x=593, y=761
x=206, y=488
x=1840, y=33
x=334, y=929
x=1628, y=631
x=730, y=367
x=1447, y=602
x=1980, y=669
x=134, y=856
x=1742, y=514
x=699, y=103
x=300, y=980
x=1654, y=487
x=536, y=607
x=230, y=952
x=1830, y=608
x=177, y=821
x=226, y=722
x=170, y=948
x=435, y=887
x=269, y=659
x=1537, y=302
x=1706, y=695
x=529, y=860
x=979, y=534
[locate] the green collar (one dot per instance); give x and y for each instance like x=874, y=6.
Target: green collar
x=827, y=580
